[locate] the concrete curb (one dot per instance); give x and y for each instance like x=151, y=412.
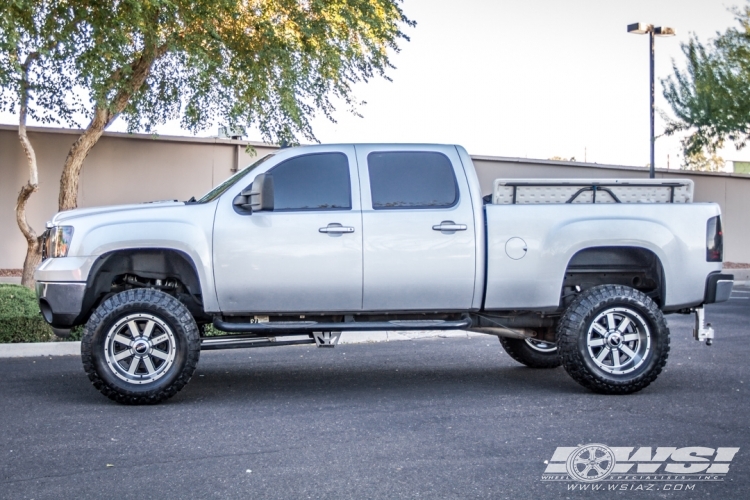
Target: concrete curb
x=74, y=348
x=40, y=349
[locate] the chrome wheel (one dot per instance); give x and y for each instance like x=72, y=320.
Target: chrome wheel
x=613, y=339
x=619, y=340
x=541, y=346
x=140, y=348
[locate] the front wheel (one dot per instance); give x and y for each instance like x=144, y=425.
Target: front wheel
x=613, y=340
x=140, y=347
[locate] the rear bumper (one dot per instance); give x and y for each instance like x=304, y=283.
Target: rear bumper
x=718, y=287
x=61, y=303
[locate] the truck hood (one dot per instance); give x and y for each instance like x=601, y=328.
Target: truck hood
x=70, y=215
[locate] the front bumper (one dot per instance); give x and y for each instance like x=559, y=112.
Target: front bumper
x=718, y=288
x=60, y=302
x=65, y=269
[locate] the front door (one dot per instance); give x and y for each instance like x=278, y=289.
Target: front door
x=306, y=254
x=419, y=241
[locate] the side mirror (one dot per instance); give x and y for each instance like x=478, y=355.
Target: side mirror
x=258, y=197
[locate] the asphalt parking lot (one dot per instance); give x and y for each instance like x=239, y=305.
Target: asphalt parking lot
x=433, y=418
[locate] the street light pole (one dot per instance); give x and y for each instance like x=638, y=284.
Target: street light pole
x=641, y=29
x=652, y=166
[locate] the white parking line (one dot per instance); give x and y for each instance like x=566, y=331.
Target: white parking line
x=739, y=298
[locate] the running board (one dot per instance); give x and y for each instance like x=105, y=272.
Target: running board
x=349, y=326
x=243, y=342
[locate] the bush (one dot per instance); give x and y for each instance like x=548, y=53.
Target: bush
x=210, y=331
x=20, y=318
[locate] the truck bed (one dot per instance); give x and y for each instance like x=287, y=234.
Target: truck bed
x=530, y=245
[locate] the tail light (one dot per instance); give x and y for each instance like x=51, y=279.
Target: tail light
x=714, y=240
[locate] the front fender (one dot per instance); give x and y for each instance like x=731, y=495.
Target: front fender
x=183, y=228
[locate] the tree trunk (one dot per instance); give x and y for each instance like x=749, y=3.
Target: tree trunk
x=71, y=174
x=30, y=263
x=33, y=242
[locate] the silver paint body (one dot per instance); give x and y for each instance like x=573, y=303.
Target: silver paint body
x=280, y=261
x=168, y=224
x=407, y=264
x=676, y=233
x=393, y=260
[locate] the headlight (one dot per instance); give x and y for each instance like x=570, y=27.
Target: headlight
x=57, y=241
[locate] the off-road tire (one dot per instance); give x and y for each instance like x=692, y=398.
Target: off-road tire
x=154, y=303
x=522, y=352
x=575, y=350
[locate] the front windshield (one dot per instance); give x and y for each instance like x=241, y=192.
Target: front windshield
x=221, y=188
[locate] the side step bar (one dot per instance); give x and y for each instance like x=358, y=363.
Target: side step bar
x=350, y=326
x=244, y=341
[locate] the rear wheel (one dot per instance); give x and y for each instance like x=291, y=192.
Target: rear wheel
x=613, y=339
x=532, y=353
x=140, y=347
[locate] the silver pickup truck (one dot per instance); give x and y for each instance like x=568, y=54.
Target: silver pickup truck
x=313, y=241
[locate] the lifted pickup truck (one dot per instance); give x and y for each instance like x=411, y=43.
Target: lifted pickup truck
x=313, y=241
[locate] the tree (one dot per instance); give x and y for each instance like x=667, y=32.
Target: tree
x=269, y=63
x=706, y=162
x=711, y=97
x=33, y=38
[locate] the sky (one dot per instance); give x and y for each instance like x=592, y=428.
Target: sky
x=526, y=78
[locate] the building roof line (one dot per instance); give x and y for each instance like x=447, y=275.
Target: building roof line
x=148, y=137
x=644, y=170
x=506, y=159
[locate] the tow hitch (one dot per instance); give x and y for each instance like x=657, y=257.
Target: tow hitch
x=702, y=330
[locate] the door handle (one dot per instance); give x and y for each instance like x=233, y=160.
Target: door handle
x=449, y=225
x=336, y=228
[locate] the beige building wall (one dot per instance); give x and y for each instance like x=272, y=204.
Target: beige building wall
x=133, y=168
x=121, y=168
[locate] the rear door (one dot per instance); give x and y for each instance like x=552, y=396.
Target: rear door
x=418, y=229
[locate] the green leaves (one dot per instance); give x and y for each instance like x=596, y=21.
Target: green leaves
x=269, y=63
x=35, y=42
x=711, y=97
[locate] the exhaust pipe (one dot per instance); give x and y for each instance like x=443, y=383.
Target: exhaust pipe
x=511, y=333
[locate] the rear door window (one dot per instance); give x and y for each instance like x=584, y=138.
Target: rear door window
x=411, y=179
x=312, y=182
